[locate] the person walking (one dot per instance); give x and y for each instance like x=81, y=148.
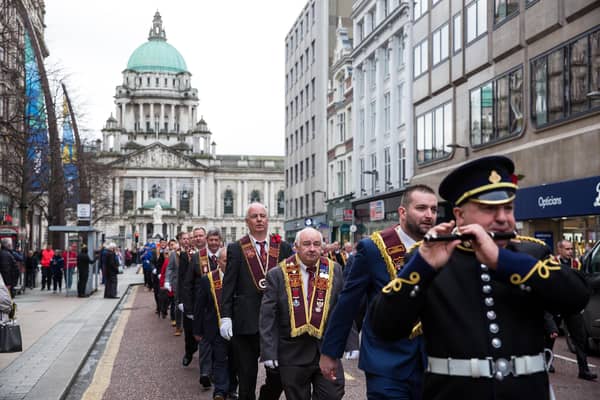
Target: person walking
x=393, y=370
x=8, y=265
x=296, y=305
x=57, y=266
x=46, y=257
x=479, y=295
x=70, y=258
x=83, y=270
x=111, y=268
x=248, y=261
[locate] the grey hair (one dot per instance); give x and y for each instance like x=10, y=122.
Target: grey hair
x=112, y=246
x=7, y=242
x=214, y=232
x=220, y=251
x=297, y=240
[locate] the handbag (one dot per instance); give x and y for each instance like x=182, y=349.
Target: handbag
x=10, y=337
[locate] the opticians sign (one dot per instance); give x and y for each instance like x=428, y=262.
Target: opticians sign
x=561, y=199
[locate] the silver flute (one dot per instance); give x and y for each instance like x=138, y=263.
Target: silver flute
x=467, y=236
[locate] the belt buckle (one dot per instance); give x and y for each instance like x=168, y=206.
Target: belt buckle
x=501, y=367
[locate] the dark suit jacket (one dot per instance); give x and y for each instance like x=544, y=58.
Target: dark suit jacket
x=241, y=299
x=275, y=340
x=205, y=312
x=191, y=280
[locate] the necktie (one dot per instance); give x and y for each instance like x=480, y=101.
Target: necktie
x=311, y=281
x=263, y=253
x=214, y=260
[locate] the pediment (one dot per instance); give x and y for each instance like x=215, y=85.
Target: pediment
x=156, y=156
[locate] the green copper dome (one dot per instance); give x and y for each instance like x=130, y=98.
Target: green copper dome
x=151, y=203
x=156, y=54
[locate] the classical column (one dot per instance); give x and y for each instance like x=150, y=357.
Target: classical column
x=152, y=118
x=202, y=196
x=146, y=194
x=172, y=119
x=174, y=198
x=191, y=117
x=168, y=191
x=138, y=194
x=142, y=118
x=273, y=199
x=117, y=199
x=162, y=116
x=195, y=198
x=218, y=199
x=266, y=199
x=245, y=196
x=238, y=194
x=122, y=116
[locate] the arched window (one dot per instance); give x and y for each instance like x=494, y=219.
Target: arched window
x=280, y=203
x=228, y=202
x=255, y=196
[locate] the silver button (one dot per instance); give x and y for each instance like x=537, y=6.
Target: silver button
x=491, y=315
x=485, y=277
x=494, y=328
x=496, y=343
x=489, y=301
x=487, y=289
x=484, y=267
x=416, y=288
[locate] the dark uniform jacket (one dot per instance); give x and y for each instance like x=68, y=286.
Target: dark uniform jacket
x=241, y=299
x=191, y=280
x=458, y=304
x=205, y=311
x=276, y=342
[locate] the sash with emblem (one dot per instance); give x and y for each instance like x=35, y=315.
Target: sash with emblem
x=391, y=248
x=203, y=265
x=216, y=287
x=257, y=270
x=311, y=319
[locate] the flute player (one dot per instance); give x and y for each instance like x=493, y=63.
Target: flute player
x=481, y=302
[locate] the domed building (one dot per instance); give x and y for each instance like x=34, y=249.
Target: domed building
x=165, y=173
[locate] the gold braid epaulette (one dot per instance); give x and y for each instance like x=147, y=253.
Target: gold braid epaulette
x=542, y=268
x=396, y=283
x=530, y=239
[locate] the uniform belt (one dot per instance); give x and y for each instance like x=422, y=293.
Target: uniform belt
x=488, y=367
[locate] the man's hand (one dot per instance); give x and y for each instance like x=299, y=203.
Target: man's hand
x=168, y=286
x=198, y=338
x=271, y=364
x=486, y=250
x=437, y=254
x=226, y=328
x=180, y=306
x=189, y=316
x=328, y=367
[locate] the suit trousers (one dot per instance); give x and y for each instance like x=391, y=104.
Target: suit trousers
x=205, y=356
x=191, y=345
x=246, y=349
x=218, y=363
x=383, y=387
x=306, y=382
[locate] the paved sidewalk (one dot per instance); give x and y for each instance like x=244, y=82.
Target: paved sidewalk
x=58, y=333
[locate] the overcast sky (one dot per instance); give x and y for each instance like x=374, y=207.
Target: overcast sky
x=233, y=49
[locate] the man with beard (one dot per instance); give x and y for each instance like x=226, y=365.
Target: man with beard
x=394, y=370
x=480, y=295
x=248, y=261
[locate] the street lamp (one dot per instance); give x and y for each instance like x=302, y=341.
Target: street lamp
x=459, y=146
x=374, y=181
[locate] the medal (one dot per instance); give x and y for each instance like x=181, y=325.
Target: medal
x=262, y=283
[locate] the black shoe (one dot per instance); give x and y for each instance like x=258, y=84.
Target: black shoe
x=186, y=360
x=587, y=375
x=551, y=369
x=205, y=382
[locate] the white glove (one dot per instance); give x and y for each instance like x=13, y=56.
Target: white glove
x=190, y=316
x=154, y=271
x=271, y=364
x=159, y=275
x=180, y=306
x=351, y=355
x=168, y=286
x=226, y=328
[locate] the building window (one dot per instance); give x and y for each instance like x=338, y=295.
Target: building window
x=476, y=19
x=387, y=58
x=255, y=196
x=434, y=133
x=373, y=174
x=421, y=62
x=387, y=168
x=420, y=8
x=314, y=126
x=372, y=65
x=504, y=9
x=228, y=202
x=128, y=199
x=341, y=178
x=401, y=164
x=307, y=169
x=440, y=44
x=280, y=203
x=386, y=112
x=313, y=89
x=497, y=108
x=400, y=97
x=361, y=165
x=301, y=168
x=562, y=79
x=361, y=125
x=312, y=165
x=457, y=33
x=184, y=200
x=341, y=123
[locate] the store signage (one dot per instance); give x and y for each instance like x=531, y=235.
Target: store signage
x=348, y=214
x=376, y=210
x=561, y=199
x=84, y=211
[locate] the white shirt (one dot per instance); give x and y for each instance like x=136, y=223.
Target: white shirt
x=257, y=246
x=406, y=240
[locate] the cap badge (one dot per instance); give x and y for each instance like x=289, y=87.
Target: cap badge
x=494, y=177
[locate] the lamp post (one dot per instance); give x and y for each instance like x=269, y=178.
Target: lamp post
x=460, y=146
x=373, y=181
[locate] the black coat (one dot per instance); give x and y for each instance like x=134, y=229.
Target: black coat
x=191, y=280
x=205, y=312
x=241, y=298
x=454, y=308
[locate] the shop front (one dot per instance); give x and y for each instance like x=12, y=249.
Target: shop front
x=375, y=213
x=562, y=210
x=293, y=226
x=340, y=217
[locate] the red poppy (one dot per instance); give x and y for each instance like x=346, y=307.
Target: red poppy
x=276, y=238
